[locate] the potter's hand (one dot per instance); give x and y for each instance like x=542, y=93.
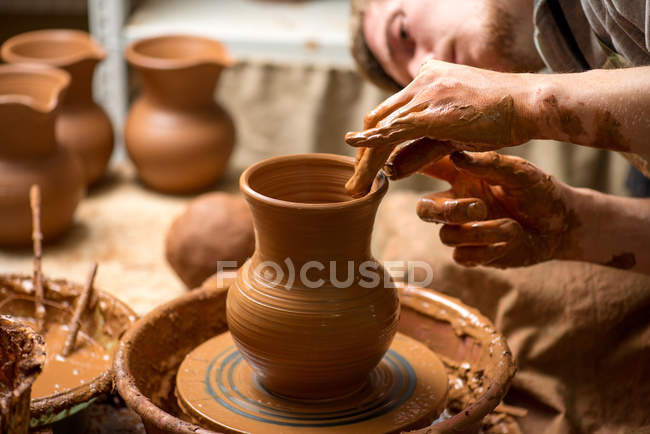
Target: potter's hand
x=460, y=107
x=501, y=211
x=451, y=107
x=476, y=109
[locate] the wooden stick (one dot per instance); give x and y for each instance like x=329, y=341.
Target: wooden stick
x=37, y=237
x=82, y=303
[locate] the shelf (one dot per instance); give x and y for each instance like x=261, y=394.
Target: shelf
x=308, y=32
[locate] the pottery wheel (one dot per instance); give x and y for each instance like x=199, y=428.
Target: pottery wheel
x=407, y=390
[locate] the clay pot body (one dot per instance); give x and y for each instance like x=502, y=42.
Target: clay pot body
x=179, y=138
x=318, y=334
x=82, y=125
x=22, y=353
x=29, y=154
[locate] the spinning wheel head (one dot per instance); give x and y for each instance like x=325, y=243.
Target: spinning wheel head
x=216, y=387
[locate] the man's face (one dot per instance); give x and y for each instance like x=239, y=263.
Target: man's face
x=492, y=34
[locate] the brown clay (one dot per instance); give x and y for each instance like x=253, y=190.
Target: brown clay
x=478, y=361
x=299, y=339
x=102, y=326
x=82, y=126
x=22, y=355
x=29, y=101
x=179, y=138
x=214, y=227
x=60, y=374
x=477, y=358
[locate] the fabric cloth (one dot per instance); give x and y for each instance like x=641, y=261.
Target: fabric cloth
x=577, y=35
x=638, y=184
x=580, y=332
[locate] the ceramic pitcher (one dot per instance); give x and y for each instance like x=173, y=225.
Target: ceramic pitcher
x=82, y=126
x=179, y=138
x=29, y=153
x=312, y=311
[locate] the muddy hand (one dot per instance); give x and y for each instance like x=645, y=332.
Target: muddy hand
x=457, y=107
x=501, y=211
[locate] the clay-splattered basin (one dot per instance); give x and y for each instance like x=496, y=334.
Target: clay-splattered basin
x=22, y=355
x=477, y=358
x=105, y=323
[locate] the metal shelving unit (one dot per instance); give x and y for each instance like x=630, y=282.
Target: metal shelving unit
x=312, y=32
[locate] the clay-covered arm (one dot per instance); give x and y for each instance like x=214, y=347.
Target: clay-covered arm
x=607, y=109
x=615, y=231
x=450, y=107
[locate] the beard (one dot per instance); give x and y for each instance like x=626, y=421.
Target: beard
x=509, y=44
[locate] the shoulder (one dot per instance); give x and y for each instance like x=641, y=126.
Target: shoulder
x=575, y=35
x=624, y=24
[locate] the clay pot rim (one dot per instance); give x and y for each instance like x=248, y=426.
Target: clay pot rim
x=379, y=187
x=94, y=51
x=37, y=353
x=101, y=384
x=139, y=59
x=498, y=346
x=36, y=69
x=125, y=382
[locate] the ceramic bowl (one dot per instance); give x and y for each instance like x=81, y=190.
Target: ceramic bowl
x=105, y=323
x=151, y=351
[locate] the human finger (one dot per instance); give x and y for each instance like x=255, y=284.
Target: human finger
x=366, y=170
x=480, y=232
x=442, y=169
x=498, y=169
x=471, y=256
x=413, y=156
x=384, y=135
x=442, y=207
x=359, y=154
x=387, y=107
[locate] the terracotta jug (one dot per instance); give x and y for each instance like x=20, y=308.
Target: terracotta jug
x=179, y=138
x=82, y=126
x=315, y=332
x=29, y=153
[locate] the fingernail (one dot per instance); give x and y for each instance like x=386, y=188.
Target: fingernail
x=390, y=170
x=476, y=211
x=461, y=157
x=427, y=210
x=354, y=136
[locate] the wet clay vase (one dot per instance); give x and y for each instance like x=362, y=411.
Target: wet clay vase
x=179, y=138
x=22, y=355
x=82, y=125
x=30, y=154
x=301, y=311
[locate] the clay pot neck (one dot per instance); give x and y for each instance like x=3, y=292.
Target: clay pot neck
x=72, y=50
x=178, y=71
x=81, y=86
x=301, y=211
x=29, y=101
x=184, y=89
